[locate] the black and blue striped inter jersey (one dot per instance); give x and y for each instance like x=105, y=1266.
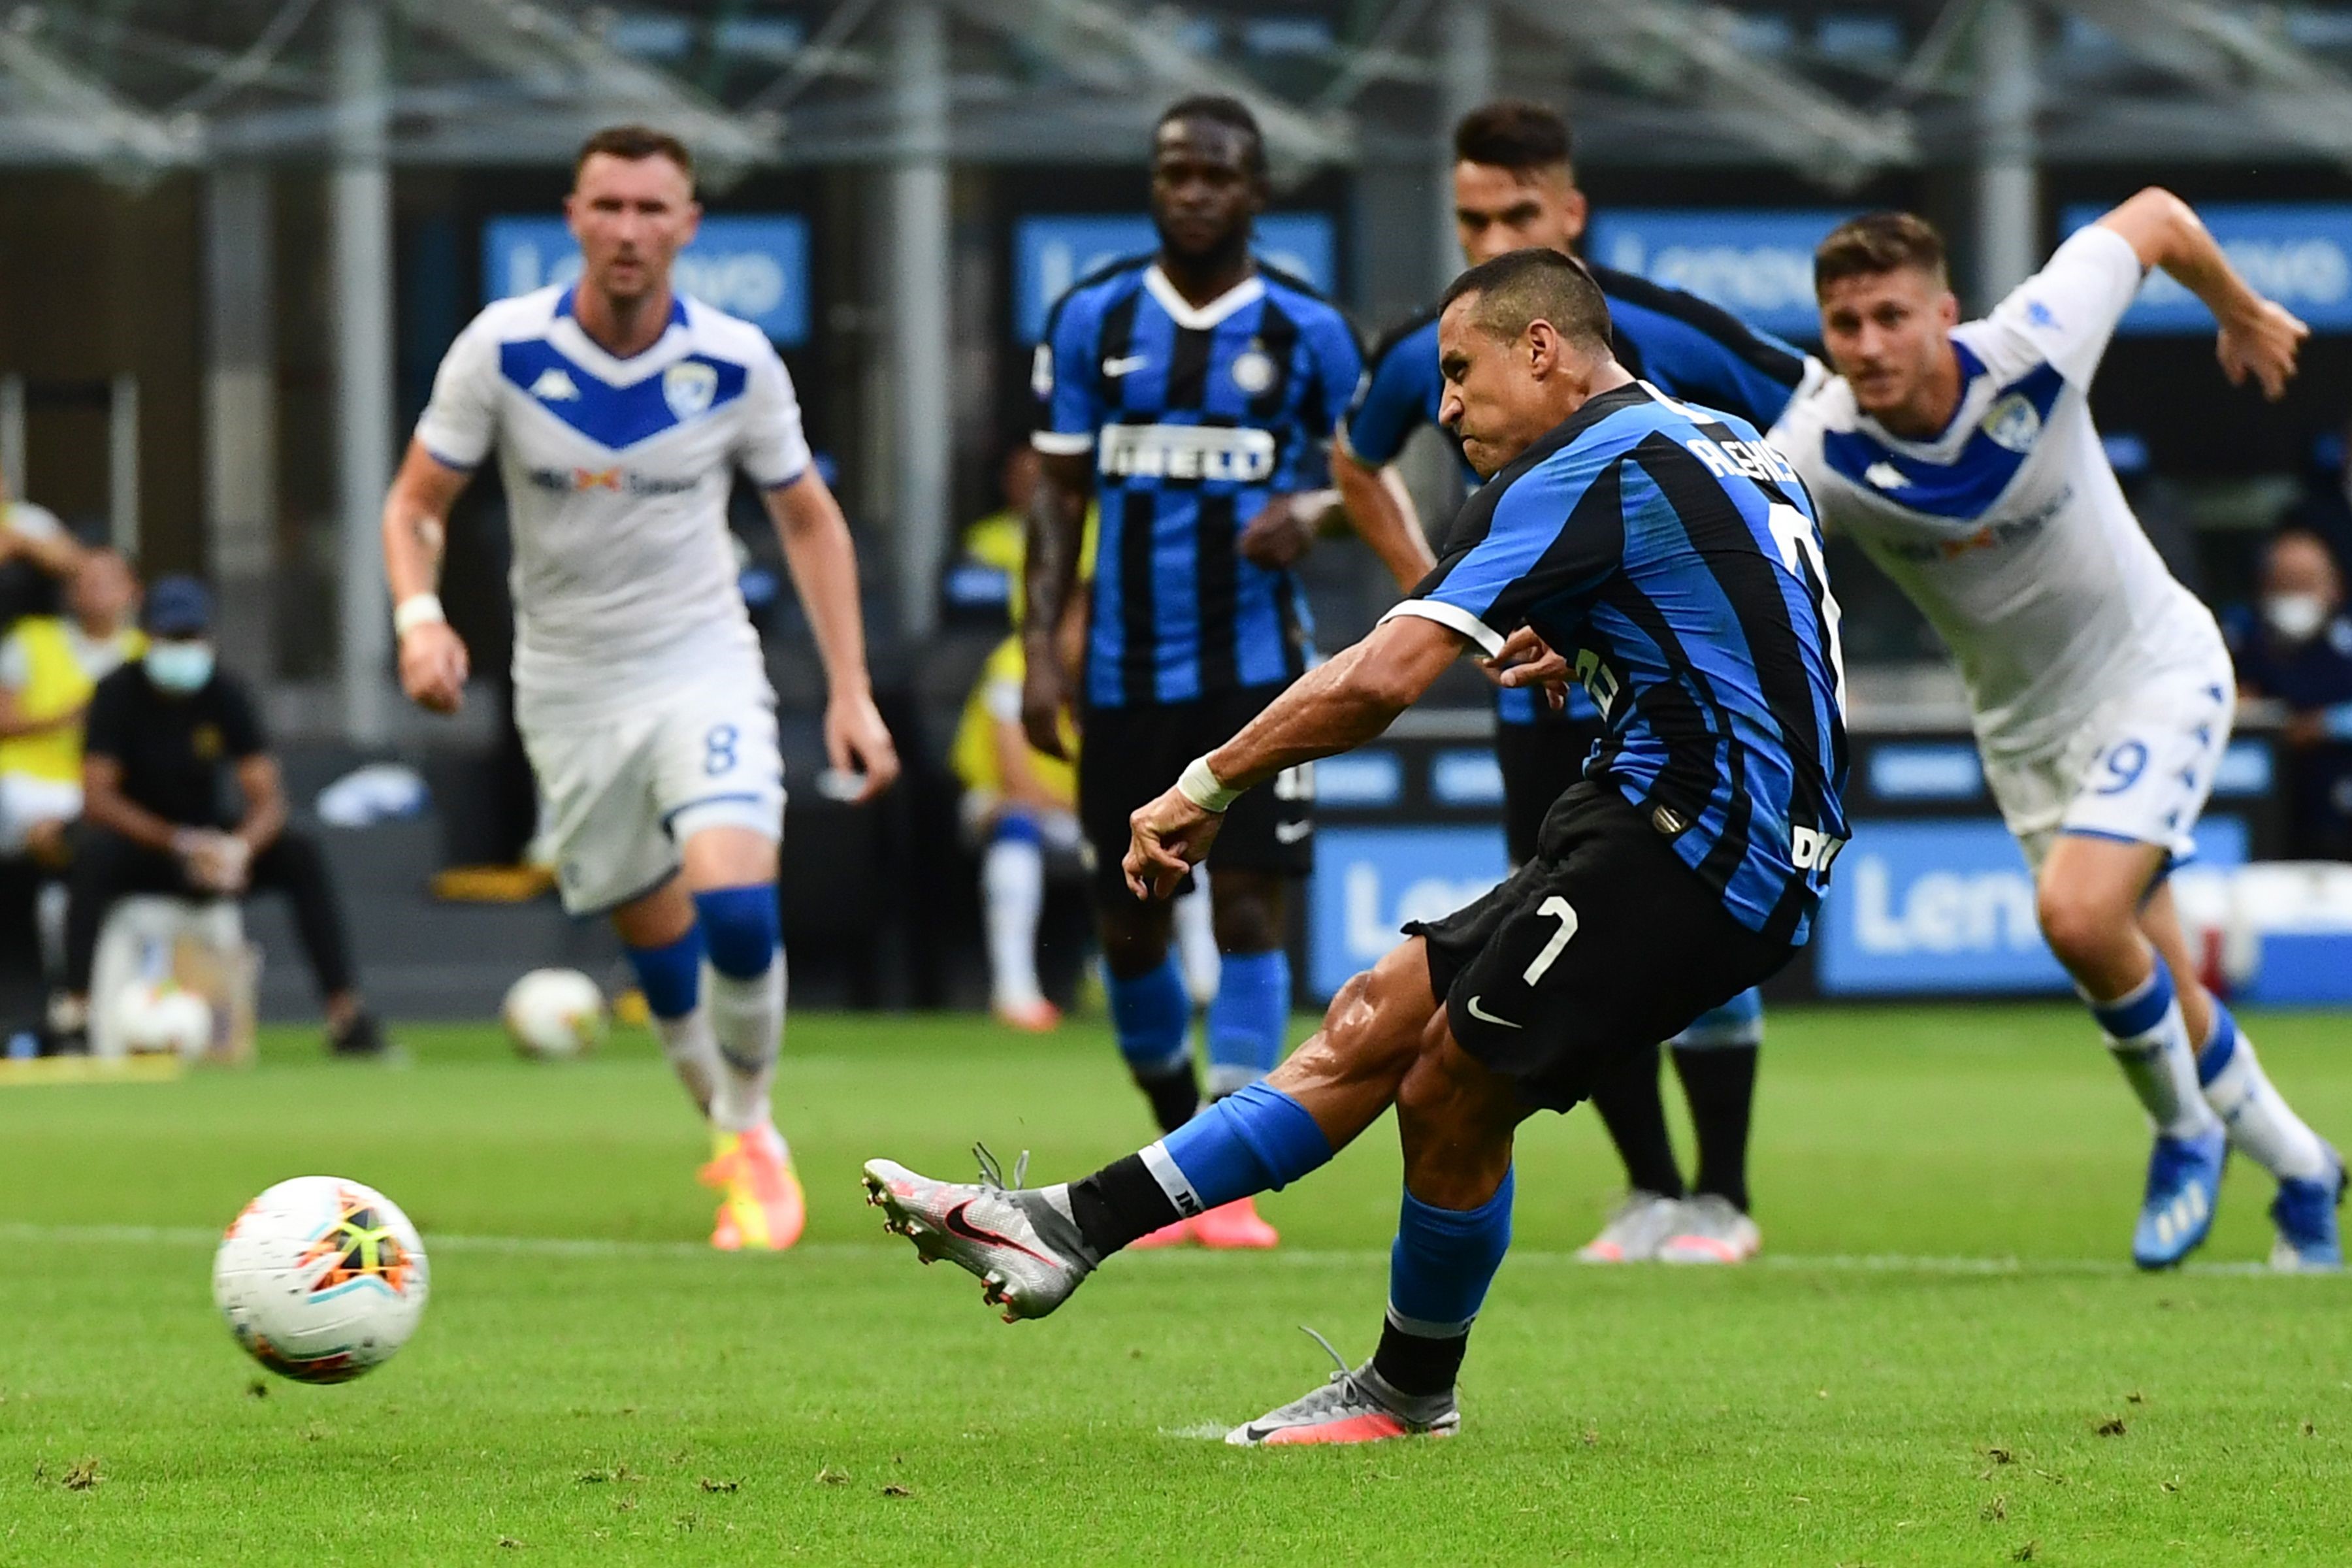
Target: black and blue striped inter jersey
x=1678, y=343
x=1676, y=560
x=1196, y=418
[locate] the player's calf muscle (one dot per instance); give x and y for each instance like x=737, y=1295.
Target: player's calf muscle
x=1455, y=1119
x=1350, y=1071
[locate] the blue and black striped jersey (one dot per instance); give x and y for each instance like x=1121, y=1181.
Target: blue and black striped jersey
x=1675, y=558
x=1678, y=343
x=1196, y=418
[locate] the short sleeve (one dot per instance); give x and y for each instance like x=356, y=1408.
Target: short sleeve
x=1392, y=400
x=241, y=734
x=1065, y=378
x=1559, y=528
x=772, y=449
x=1339, y=371
x=2064, y=315
x=105, y=732
x=460, y=424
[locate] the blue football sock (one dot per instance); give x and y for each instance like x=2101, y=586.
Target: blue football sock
x=1254, y=1141
x=744, y=928
x=670, y=976
x=1249, y=1019
x=2149, y=1040
x=1439, y=1269
x=1442, y=1262
x=1152, y=1014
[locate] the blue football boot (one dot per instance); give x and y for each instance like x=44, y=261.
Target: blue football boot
x=2304, y=1213
x=2184, y=1188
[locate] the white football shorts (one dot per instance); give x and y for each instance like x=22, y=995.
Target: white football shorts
x=2139, y=769
x=622, y=789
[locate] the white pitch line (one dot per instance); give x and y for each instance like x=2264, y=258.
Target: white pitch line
x=1296, y=1258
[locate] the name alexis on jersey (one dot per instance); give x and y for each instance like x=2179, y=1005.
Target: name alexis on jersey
x=617, y=479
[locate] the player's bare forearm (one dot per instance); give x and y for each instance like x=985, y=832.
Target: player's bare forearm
x=1053, y=535
x=824, y=564
x=1340, y=705
x=416, y=521
x=2164, y=231
x=1382, y=513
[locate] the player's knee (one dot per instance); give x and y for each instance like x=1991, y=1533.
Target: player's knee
x=1246, y=913
x=741, y=929
x=1134, y=938
x=2081, y=925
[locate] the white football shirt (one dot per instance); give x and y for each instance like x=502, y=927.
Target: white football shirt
x=617, y=474
x=2008, y=530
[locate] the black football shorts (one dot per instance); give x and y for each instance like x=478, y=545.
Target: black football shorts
x=1602, y=945
x=1130, y=756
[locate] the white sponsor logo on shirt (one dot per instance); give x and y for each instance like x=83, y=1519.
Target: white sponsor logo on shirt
x=688, y=387
x=554, y=386
x=1187, y=452
x=1127, y=365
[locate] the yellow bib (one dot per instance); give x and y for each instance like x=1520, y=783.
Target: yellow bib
x=57, y=683
x=974, y=755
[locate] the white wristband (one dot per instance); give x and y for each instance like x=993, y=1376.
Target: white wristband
x=417, y=610
x=1200, y=785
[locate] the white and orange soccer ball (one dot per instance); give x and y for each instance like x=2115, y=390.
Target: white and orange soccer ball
x=321, y=1278
x=552, y=1015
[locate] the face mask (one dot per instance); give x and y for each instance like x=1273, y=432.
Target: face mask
x=180, y=667
x=2297, y=618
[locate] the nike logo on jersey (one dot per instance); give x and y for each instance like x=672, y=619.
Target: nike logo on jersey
x=1127, y=365
x=1291, y=832
x=554, y=386
x=1486, y=1017
x=1886, y=476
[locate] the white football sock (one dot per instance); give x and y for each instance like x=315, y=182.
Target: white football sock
x=2149, y=1040
x=2262, y=1126
x=1013, y=888
x=1196, y=940
x=692, y=1048
x=747, y=1016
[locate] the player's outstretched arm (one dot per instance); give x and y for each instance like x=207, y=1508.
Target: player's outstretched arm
x=1332, y=708
x=1052, y=541
x=1382, y=513
x=2258, y=338
x=432, y=660
x=823, y=564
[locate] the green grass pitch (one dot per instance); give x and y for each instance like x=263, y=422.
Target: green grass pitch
x=1918, y=1372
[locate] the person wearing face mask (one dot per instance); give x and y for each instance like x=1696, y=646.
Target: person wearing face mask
x=2293, y=646
x=166, y=733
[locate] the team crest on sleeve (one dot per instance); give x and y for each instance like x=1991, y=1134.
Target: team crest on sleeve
x=688, y=387
x=2013, y=423
x=1253, y=371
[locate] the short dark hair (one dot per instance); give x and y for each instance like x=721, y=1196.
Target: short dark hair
x=1875, y=242
x=632, y=143
x=1513, y=134
x=1536, y=284
x=1220, y=108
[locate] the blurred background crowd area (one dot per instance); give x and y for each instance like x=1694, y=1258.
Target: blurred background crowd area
x=237, y=235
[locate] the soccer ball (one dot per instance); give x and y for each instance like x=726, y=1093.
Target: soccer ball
x=552, y=1013
x=157, y=1016
x=320, y=1279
